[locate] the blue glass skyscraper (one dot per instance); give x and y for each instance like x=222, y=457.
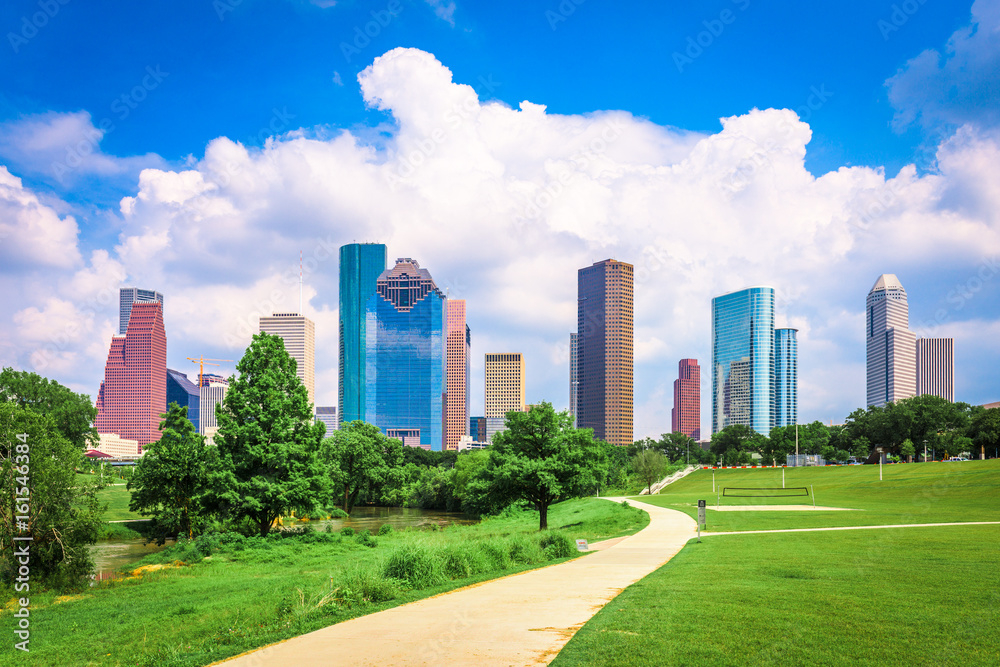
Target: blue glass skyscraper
x=743, y=359
x=360, y=266
x=183, y=392
x=405, y=356
x=786, y=377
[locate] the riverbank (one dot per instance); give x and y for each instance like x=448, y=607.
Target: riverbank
x=246, y=593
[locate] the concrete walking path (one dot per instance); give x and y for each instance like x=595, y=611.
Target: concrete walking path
x=522, y=619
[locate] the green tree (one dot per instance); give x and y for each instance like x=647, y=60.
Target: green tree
x=985, y=431
x=73, y=414
x=172, y=475
x=63, y=514
x=268, y=444
x=861, y=449
x=779, y=444
x=360, y=458
x=541, y=458
x=467, y=467
x=678, y=447
x=734, y=443
x=908, y=450
x=650, y=465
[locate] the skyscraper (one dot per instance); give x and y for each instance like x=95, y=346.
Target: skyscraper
x=574, y=379
x=936, y=367
x=504, y=389
x=605, y=350
x=299, y=335
x=133, y=395
x=211, y=394
x=183, y=392
x=405, y=363
x=891, y=346
x=786, y=377
x=129, y=295
x=743, y=359
x=361, y=264
x=328, y=415
x=685, y=417
x=457, y=399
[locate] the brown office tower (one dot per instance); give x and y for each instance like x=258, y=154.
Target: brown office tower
x=456, y=400
x=686, y=415
x=604, y=350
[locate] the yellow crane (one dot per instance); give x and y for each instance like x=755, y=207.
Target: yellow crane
x=201, y=361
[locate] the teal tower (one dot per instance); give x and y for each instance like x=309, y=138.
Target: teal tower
x=360, y=266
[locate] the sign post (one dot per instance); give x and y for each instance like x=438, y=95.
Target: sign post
x=701, y=517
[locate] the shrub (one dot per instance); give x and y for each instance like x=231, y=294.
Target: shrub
x=346, y=531
x=337, y=513
x=384, y=529
x=364, y=585
x=415, y=565
x=496, y=553
x=365, y=538
x=557, y=545
x=317, y=515
x=523, y=550
x=463, y=560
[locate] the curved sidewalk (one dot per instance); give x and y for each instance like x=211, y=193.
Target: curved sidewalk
x=523, y=619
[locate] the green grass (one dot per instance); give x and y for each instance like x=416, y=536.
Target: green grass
x=906, y=596
x=116, y=496
x=240, y=599
x=908, y=493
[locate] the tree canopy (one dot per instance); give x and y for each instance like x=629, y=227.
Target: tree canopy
x=172, y=476
x=359, y=456
x=541, y=458
x=268, y=443
x=38, y=481
x=72, y=414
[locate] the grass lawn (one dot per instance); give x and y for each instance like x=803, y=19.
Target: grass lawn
x=908, y=493
x=117, y=497
x=907, y=596
x=243, y=598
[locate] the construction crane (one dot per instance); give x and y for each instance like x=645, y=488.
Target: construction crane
x=201, y=361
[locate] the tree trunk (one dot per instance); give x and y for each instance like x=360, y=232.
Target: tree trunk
x=543, y=516
x=347, y=498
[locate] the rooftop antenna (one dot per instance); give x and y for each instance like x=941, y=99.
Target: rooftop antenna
x=300, y=282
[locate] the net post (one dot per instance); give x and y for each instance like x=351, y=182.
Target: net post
x=813, y=493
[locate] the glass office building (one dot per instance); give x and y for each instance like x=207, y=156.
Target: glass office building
x=360, y=266
x=743, y=359
x=406, y=333
x=183, y=392
x=786, y=377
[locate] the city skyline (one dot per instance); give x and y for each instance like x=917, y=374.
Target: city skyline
x=505, y=178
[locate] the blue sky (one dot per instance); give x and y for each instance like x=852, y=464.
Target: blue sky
x=93, y=94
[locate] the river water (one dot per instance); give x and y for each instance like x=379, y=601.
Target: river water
x=111, y=555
